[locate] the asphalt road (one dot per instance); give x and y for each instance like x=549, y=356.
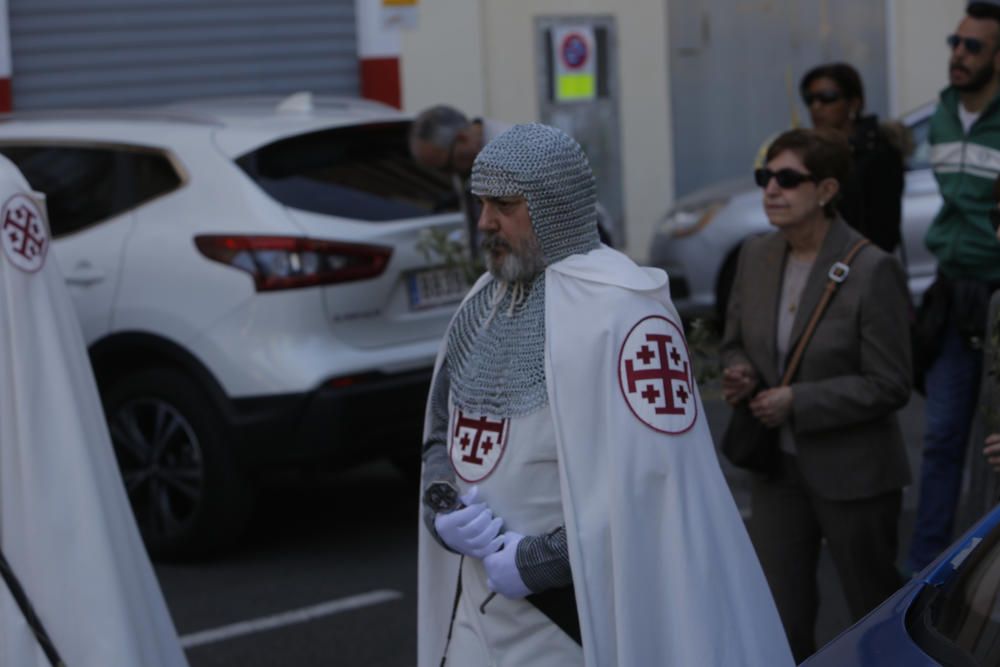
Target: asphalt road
x=327, y=573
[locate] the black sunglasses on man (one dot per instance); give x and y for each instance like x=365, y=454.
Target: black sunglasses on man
x=972, y=45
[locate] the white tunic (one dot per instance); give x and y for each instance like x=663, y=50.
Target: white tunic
x=514, y=464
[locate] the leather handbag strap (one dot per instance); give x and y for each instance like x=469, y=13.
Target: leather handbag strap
x=838, y=273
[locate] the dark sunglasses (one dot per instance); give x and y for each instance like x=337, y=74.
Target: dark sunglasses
x=972, y=45
x=995, y=218
x=822, y=96
x=788, y=179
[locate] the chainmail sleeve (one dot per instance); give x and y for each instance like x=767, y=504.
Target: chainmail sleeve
x=437, y=467
x=543, y=561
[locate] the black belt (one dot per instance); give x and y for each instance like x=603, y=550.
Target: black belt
x=35, y=623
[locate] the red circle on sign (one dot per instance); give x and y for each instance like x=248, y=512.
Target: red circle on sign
x=574, y=50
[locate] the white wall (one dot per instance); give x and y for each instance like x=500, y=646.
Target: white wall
x=479, y=55
x=442, y=59
x=919, y=56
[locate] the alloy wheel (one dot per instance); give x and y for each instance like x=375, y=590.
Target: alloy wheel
x=162, y=465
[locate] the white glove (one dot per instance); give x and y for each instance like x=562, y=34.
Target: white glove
x=501, y=569
x=472, y=530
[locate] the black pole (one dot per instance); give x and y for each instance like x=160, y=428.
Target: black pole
x=29, y=613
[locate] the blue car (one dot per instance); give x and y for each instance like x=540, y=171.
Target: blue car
x=949, y=615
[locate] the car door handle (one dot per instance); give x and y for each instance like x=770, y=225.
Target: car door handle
x=84, y=274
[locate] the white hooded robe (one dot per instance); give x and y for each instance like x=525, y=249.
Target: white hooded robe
x=663, y=568
x=66, y=527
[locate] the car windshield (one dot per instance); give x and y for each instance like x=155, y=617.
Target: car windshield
x=363, y=172
x=967, y=612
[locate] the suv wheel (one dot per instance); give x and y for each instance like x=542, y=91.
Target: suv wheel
x=187, y=496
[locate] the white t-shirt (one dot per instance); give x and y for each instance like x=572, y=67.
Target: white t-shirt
x=967, y=117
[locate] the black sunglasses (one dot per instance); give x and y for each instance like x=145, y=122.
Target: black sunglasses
x=995, y=218
x=972, y=45
x=788, y=179
x=822, y=96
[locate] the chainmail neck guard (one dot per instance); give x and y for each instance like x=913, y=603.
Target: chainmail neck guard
x=496, y=343
x=496, y=350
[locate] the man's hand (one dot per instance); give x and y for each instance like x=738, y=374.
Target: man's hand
x=772, y=406
x=738, y=381
x=502, y=575
x=992, y=450
x=472, y=530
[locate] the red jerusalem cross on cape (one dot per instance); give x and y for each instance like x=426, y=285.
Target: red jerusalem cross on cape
x=477, y=444
x=654, y=372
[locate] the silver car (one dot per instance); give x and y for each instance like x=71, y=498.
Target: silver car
x=697, y=242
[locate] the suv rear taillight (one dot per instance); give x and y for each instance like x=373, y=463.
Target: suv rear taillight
x=289, y=262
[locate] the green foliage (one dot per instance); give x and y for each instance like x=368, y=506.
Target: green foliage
x=703, y=341
x=438, y=245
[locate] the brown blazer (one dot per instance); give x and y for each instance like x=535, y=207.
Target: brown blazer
x=855, y=373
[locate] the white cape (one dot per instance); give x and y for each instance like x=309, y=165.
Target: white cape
x=662, y=565
x=65, y=523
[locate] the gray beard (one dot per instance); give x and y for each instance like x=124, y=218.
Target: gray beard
x=519, y=265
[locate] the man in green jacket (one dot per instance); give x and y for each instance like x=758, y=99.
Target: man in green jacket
x=965, y=153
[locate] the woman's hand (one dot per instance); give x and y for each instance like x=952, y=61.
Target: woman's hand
x=738, y=381
x=992, y=450
x=772, y=406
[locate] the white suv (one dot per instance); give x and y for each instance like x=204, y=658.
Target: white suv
x=248, y=279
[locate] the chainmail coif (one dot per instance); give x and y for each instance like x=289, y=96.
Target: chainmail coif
x=496, y=344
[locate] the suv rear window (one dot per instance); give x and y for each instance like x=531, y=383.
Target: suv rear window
x=84, y=185
x=363, y=172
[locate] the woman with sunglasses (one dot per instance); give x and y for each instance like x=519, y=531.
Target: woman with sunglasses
x=842, y=463
x=870, y=198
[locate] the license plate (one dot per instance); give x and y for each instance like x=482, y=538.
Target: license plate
x=436, y=287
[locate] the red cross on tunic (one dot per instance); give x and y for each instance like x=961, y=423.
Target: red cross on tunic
x=663, y=374
x=486, y=435
x=22, y=225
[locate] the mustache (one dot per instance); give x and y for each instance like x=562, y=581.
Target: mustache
x=492, y=241
x=960, y=68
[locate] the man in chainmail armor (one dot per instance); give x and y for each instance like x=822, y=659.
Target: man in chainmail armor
x=574, y=511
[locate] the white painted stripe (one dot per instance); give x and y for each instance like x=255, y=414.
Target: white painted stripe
x=288, y=618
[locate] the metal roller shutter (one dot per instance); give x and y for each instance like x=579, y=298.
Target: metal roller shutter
x=69, y=53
